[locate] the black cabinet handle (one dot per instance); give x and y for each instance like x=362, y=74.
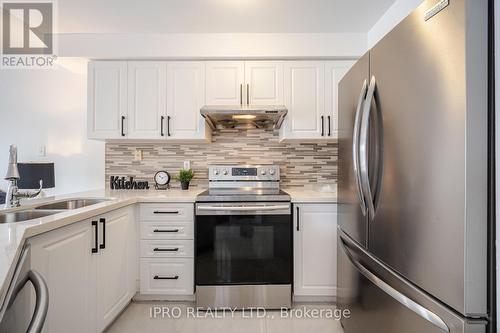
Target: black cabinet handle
x=168, y=125
x=322, y=126
x=123, y=130
x=166, y=212
x=156, y=277
x=298, y=225
x=103, y=245
x=162, y=119
x=158, y=249
x=169, y=230
x=329, y=126
x=96, y=240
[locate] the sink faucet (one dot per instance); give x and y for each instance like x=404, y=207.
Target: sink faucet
x=13, y=194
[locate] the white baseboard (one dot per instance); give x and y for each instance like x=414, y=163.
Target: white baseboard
x=176, y=298
x=314, y=299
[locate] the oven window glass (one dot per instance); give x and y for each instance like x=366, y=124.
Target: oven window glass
x=234, y=249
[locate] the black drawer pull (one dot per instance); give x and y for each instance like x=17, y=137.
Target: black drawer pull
x=156, y=277
x=158, y=249
x=163, y=230
x=166, y=212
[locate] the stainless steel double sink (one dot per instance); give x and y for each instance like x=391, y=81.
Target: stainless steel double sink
x=47, y=210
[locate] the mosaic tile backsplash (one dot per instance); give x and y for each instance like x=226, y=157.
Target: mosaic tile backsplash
x=301, y=164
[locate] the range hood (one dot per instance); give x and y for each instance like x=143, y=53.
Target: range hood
x=244, y=116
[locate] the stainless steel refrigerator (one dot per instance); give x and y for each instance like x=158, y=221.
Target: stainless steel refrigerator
x=414, y=142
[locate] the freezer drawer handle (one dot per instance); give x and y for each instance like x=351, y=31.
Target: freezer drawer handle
x=166, y=230
x=156, y=277
x=159, y=249
x=405, y=301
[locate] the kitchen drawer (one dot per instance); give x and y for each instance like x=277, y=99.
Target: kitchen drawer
x=167, y=230
x=166, y=212
x=171, y=276
x=167, y=248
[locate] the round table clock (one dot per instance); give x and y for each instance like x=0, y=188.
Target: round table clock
x=162, y=180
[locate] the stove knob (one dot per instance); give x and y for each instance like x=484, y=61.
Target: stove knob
x=271, y=172
x=224, y=172
x=263, y=172
x=216, y=172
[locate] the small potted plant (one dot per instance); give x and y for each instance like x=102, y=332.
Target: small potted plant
x=185, y=176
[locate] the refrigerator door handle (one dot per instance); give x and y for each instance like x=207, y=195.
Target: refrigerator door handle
x=355, y=147
x=363, y=149
x=396, y=295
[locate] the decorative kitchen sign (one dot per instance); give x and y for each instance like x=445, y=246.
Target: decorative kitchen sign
x=120, y=183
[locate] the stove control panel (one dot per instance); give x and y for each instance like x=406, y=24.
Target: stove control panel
x=245, y=172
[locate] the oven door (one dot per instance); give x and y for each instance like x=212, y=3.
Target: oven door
x=243, y=243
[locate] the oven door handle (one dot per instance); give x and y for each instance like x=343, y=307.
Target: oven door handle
x=243, y=208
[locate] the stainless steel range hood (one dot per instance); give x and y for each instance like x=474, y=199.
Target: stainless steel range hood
x=244, y=116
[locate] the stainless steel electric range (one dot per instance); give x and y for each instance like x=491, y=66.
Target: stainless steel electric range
x=244, y=250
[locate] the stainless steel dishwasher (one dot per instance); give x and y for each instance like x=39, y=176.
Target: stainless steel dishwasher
x=16, y=312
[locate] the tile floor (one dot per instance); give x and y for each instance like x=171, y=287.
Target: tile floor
x=139, y=317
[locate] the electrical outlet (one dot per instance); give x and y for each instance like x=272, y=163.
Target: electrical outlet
x=187, y=165
x=42, y=151
x=138, y=155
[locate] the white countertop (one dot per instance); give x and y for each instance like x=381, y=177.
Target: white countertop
x=324, y=194
x=14, y=235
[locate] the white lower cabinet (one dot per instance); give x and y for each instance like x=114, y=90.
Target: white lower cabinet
x=87, y=289
x=115, y=269
x=167, y=249
x=315, y=250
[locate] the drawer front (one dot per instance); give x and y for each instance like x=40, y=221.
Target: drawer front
x=167, y=212
x=167, y=248
x=167, y=230
x=167, y=276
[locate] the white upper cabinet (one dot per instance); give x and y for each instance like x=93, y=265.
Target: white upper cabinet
x=263, y=82
x=305, y=100
x=185, y=97
x=225, y=80
x=334, y=72
x=146, y=99
x=311, y=96
x=162, y=99
x=107, y=99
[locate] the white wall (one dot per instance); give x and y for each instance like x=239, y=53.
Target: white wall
x=48, y=108
x=217, y=45
x=395, y=14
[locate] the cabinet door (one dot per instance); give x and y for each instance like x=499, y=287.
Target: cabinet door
x=65, y=260
x=263, y=82
x=114, y=265
x=146, y=99
x=315, y=250
x=185, y=97
x=106, y=99
x=334, y=72
x=224, y=82
x=305, y=100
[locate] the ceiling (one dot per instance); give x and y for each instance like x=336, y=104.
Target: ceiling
x=219, y=16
